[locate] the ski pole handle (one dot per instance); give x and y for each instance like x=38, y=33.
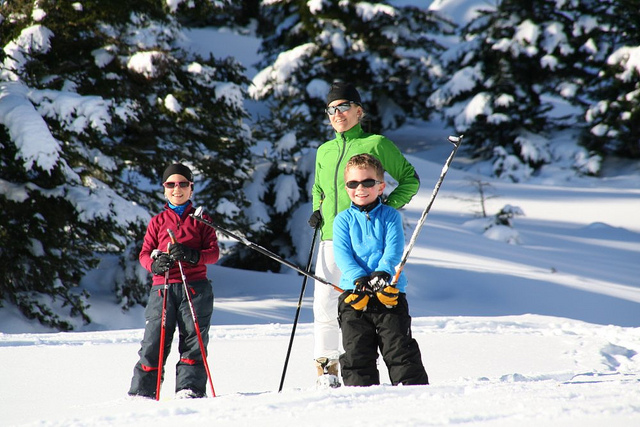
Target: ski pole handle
x=171, y=236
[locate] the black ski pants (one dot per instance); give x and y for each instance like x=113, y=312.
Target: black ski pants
x=190, y=371
x=379, y=327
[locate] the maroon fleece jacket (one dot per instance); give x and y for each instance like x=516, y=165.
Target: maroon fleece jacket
x=190, y=233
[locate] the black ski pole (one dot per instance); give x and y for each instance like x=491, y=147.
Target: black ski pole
x=198, y=217
x=203, y=351
x=456, y=141
x=295, y=319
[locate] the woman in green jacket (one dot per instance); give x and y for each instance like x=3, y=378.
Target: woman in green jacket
x=345, y=111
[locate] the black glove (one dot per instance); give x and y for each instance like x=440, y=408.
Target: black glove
x=315, y=219
x=379, y=280
x=161, y=264
x=359, y=298
x=387, y=294
x=180, y=252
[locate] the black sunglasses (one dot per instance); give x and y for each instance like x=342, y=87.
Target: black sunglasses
x=343, y=108
x=367, y=183
x=181, y=184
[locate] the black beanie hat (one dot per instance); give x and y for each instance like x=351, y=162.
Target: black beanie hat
x=177, y=168
x=341, y=90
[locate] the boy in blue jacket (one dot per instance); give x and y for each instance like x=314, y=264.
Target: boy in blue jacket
x=368, y=243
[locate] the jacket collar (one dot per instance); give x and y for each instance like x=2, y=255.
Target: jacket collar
x=187, y=210
x=368, y=208
x=353, y=133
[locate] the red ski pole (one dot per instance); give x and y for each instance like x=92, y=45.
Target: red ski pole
x=163, y=326
x=194, y=317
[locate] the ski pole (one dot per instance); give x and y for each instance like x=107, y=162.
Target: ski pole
x=203, y=351
x=456, y=141
x=163, y=326
x=198, y=217
x=295, y=319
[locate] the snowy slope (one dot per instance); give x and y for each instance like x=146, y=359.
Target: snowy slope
x=506, y=371
x=541, y=333
x=546, y=332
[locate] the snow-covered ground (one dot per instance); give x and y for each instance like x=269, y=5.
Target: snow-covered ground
x=526, y=370
x=544, y=331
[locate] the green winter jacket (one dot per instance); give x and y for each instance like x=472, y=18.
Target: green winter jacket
x=328, y=189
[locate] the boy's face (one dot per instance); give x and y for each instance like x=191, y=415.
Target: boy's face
x=362, y=195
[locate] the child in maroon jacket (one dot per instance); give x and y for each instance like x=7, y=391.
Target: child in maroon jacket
x=196, y=245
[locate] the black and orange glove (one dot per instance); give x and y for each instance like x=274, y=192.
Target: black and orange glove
x=388, y=296
x=359, y=298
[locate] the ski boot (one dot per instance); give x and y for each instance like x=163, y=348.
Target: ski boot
x=327, y=373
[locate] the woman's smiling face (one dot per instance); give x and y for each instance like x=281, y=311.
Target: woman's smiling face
x=342, y=122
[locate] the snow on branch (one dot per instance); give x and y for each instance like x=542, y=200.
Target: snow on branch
x=287, y=192
x=35, y=39
x=629, y=59
x=75, y=111
x=27, y=129
x=277, y=78
x=369, y=11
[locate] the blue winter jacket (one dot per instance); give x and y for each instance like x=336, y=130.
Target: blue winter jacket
x=364, y=242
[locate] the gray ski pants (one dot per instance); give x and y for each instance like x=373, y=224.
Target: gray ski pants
x=190, y=371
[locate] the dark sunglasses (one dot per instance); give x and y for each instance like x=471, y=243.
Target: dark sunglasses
x=367, y=183
x=343, y=108
x=182, y=184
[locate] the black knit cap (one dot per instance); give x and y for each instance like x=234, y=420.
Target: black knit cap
x=346, y=91
x=177, y=168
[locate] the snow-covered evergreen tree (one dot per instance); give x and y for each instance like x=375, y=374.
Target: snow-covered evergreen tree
x=387, y=52
x=514, y=65
x=614, y=114
x=96, y=98
x=216, y=13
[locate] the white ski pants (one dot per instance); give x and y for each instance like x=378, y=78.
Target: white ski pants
x=327, y=341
